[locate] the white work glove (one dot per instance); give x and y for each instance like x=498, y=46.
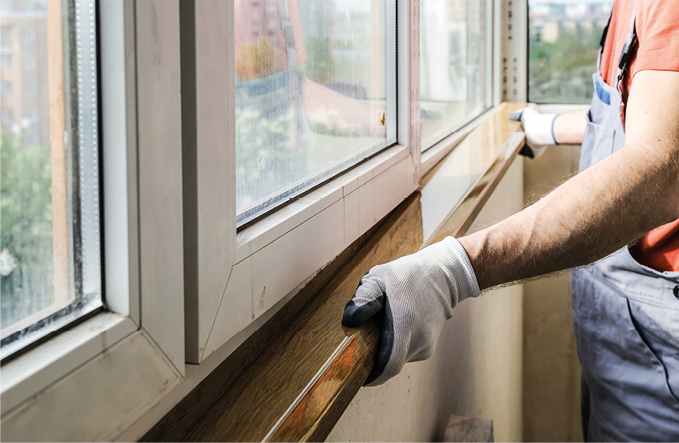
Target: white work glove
x=415, y=295
x=539, y=130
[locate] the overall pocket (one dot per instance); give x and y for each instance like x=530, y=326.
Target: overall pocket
x=598, y=143
x=657, y=331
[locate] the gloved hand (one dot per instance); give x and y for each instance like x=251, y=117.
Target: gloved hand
x=415, y=295
x=539, y=130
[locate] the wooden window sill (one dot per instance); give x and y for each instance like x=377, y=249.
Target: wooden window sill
x=295, y=376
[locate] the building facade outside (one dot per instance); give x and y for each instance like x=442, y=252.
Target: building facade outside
x=24, y=71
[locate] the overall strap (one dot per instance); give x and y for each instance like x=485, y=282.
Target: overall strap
x=602, y=42
x=626, y=55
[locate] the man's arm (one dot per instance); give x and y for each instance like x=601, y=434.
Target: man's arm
x=605, y=207
x=569, y=128
x=545, y=129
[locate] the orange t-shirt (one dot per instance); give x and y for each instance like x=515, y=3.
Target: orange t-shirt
x=657, y=24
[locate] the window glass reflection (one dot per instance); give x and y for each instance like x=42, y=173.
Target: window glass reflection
x=455, y=65
x=315, y=82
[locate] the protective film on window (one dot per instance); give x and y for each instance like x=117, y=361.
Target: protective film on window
x=50, y=233
x=563, y=44
x=315, y=94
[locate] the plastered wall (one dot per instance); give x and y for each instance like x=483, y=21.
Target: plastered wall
x=476, y=370
x=551, y=370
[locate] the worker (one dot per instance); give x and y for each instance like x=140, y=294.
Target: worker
x=625, y=299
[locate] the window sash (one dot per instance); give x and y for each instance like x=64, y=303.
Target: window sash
x=75, y=182
x=487, y=42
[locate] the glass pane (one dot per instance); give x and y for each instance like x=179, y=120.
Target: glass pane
x=315, y=93
x=563, y=45
x=455, y=65
x=49, y=170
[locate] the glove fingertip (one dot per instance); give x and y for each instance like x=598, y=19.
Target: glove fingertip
x=355, y=316
x=366, y=302
x=526, y=151
x=384, y=351
x=351, y=315
x=515, y=116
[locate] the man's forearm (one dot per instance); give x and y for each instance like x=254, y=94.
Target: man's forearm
x=595, y=213
x=569, y=128
x=605, y=207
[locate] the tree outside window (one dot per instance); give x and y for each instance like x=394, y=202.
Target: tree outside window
x=563, y=45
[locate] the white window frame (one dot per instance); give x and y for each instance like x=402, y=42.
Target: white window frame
x=432, y=153
x=235, y=268
x=244, y=275
x=113, y=367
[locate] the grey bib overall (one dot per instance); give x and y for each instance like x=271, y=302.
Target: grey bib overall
x=625, y=315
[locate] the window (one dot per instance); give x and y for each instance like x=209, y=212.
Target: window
x=6, y=88
x=50, y=262
x=563, y=45
x=6, y=5
x=315, y=94
x=31, y=88
x=455, y=65
x=32, y=114
x=6, y=61
x=30, y=61
x=29, y=35
x=7, y=116
x=320, y=156
x=261, y=139
x=33, y=140
x=5, y=35
x=112, y=357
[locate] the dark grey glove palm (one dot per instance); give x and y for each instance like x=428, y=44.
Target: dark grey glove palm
x=415, y=295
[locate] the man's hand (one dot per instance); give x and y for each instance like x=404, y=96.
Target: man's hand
x=415, y=295
x=539, y=129
x=543, y=130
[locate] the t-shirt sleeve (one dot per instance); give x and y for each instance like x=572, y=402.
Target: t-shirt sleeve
x=657, y=25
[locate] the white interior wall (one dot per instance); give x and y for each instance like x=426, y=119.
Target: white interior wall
x=476, y=369
x=551, y=369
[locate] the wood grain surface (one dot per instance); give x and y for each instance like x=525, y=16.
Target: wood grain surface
x=293, y=378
